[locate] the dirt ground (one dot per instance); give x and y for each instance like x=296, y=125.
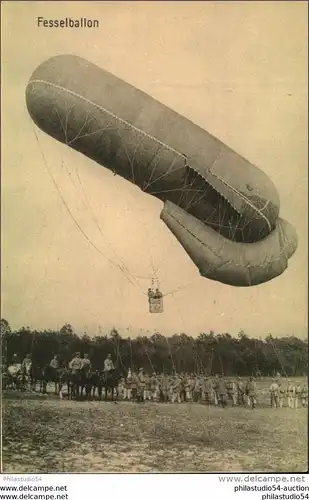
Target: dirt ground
x=45, y=434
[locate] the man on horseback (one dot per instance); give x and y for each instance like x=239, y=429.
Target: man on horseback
x=75, y=367
x=111, y=377
x=27, y=363
x=54, y=363
x=108, y=364
x=52, y=373
x=76, y=363
x=86, y=363
x=86, y=375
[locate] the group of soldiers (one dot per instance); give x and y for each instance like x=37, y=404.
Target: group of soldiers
x=178, y=388
x=216, y=390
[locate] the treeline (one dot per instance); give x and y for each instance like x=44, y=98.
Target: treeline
x=208, y=353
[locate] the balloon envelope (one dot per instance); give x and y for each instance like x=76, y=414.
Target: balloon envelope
x=197, y=176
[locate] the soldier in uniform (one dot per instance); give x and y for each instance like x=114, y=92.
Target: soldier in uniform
x=134, y=385
x=234, y=392
x=127, y=391
x=121, y=388
x=291, y=394
x=147, y=393
x=154, y=387
x=164, y=385
x=76, y=363
x=178, y=388
x=175, y=389
x=54, y=362
x=216, y=389
x=26, y=364
x=188, y=388
x=282, y=394
x=197, y=389
x=274, y=394
x=192, y=379
x=304, y=395
x=108, y=364
x=251, y=392
x=229, y=388
x=86, y=365
x=207, y=390
x=222, y=393
x=141, y=385
x=297, y=396
x=240, y=388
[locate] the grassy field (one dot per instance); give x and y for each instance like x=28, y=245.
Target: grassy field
x=44, y=434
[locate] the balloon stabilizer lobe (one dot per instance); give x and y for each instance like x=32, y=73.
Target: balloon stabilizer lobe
x=196, y=175
x=232, y=263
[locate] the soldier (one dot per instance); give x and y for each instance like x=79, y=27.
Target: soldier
x=234, y=392
x=141, y=385
x=291, y=394
x=192, y=381
x=76, y=363
x=222, y=393
x=26, y=366
x=154, y=387
x=120, y=388
x=134, y=385
x=216, y=383
x=297, y=396
x=231, y=391
x=304, y=395
x=164, y=386
x=197, y=389
x=179, y=388
x=175, y=389
x=108, y=364
x=251, y=392
x=147, y=391
x=229, y=388
x=54, y=363
x=274, y=394
x=127, y=386
x=282, y=394
x=86, y=364
x=187, y=387
x=240, y=392
x=207, y=390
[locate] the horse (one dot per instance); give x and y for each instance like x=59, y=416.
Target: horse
x=15, y=377
x=57, y=376
x=77, y=381
x=109, y=381
x=92, y=381
x=87, y=380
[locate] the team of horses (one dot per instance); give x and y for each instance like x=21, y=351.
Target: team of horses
x=76, y=384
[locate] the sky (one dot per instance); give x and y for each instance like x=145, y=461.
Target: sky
x=238, y=70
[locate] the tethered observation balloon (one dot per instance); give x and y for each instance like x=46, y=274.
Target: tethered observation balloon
x=222, y=209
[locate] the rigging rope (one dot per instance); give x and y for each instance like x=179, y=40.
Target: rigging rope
x=76, y=222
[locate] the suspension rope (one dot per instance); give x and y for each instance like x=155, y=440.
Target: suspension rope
x=76, y=222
